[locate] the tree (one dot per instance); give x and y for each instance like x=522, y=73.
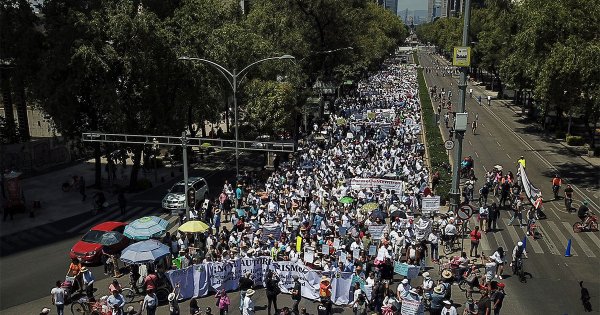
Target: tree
x=270, y=105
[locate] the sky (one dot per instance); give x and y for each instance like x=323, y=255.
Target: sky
x=412, y=4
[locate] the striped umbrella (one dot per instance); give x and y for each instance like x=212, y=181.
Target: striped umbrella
x=146, y=228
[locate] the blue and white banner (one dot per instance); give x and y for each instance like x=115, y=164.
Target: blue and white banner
x=530, y=190
x=201, y=279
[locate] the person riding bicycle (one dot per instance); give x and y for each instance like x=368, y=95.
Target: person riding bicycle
x=518, y=253
x=568, y=197
x=583, y=212
x=556, y=182
x=115, y=285
x=116, y=302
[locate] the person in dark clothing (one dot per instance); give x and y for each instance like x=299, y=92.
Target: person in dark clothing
x=504, y=193
x=82, y=188
x=585, y=298
x=497, y=298
x=272, y=291
x=122, y=202
x=484, y=305
x=296, y=295
x=246, y=283
x=493, y=215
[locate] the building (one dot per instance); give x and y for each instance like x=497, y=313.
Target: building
x=392, y=5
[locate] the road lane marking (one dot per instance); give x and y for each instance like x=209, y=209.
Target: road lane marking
x=546, y=237
x=513, y=234
x=476, y=154
x=485, y=169
x=113, y=213
x=500, y=241
x=508, y=156
x=498, y=143
x=470, y=142
x=522, y=233
x=594, y=238
x=562, y=237
x=489, y=133
x=535, y=152
x=579, y=240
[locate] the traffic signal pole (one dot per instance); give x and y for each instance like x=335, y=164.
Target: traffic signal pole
x=462, y=85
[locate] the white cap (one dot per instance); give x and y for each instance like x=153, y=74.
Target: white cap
x=520, y=243
x=404, y=281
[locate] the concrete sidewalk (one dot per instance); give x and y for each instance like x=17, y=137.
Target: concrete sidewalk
x=57, y=204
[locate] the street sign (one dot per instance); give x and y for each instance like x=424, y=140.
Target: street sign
x=465, y=212
x=449, y=144
x=461, y=57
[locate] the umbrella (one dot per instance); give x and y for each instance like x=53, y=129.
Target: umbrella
x=378, y=214
x=111, y=238
x=370, y=206
x=346, y=200
x=144, y=252
x=194, y=227
x=398, y=213
x=145, y=228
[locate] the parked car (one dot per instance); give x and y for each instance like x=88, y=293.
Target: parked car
x=176, y=195
x=89, y=250
x=258, y=142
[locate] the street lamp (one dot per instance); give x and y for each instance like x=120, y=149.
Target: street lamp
x=232, y=79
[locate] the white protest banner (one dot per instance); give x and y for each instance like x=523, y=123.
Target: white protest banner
x=530, y=190
x=411, y=307
x=430, y=204
x=360, y=183
x=222, y=275
x=336, y=243
x=309, y=256
x=422, y=229
x=376, y=230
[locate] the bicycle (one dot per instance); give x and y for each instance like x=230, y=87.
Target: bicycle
x=589, y=224
x=85, y=307
x=449, y=244
x=518, y=269
x=569, y=204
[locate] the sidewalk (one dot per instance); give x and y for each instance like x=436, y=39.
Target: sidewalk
x=57, y=205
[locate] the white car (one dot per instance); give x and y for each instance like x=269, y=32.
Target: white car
x=176, y=196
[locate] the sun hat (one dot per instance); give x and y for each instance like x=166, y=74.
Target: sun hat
x=84, y=269
x=325, y=279
x=520, y=244
x=404, y=281
x=171, y=296
x=250, y=292
x=447, y=302
x=45, y=310
x=425, y=274
x=438, y=289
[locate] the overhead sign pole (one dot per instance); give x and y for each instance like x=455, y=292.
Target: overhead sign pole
x=461, y=59
x=184, y=142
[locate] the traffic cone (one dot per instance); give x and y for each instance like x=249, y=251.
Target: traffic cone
x=525, y=241
x=568, y=251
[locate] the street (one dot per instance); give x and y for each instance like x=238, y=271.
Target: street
x=501, y=138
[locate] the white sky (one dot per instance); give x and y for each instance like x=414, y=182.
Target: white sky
x=412, y=4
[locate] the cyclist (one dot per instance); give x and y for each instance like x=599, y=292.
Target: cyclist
x=583, y=212
x=556, y=182
x=489, y=99
x=568, y=197
x=450, y=232
x=518, y=253
x=479, y=99
x=115, y=286
x=521, y=161
x=474, y=126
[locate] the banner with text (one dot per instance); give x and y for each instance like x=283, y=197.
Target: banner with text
x=201, y=279
x=360, y=183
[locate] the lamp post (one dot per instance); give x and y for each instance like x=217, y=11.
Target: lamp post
x=232, y=79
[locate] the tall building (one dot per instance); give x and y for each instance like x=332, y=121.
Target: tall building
x=445, y=8
x=433, y=9
x=392, y=5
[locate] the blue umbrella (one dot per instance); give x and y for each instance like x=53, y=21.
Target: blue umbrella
x=144, y=252
x=111, y=238
x=145, y=228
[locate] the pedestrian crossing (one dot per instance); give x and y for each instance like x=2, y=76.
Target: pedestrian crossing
x=551, y=238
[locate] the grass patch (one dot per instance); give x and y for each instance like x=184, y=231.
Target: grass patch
x=433, y=138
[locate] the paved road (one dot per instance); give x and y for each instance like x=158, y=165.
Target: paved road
x=502, y=136
x=34, y=259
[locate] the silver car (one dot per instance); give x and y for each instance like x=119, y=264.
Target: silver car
x=176, y=196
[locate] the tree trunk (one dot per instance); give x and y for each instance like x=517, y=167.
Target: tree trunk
x=9, y=115
x=135, y=169
x=21, y=105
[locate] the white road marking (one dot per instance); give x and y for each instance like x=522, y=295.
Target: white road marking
x=546, y=237
x=562, y=238
x=513, y=234
x=498, y=143
x=594, y=238
x=114, y=213
x=535, y=152
x=489, y=133
x=485, y=169
x=500, y=241
x=508, y=156
x=579, y=240
x=476, y=154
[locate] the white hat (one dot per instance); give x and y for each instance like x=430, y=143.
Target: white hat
x=520, y=244
x=447, y=302
x=171, y=296
x=250, y=292
x=404, y=281
x=425, y=274
x=45, y=310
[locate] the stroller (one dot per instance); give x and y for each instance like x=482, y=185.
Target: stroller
x=68, y=287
